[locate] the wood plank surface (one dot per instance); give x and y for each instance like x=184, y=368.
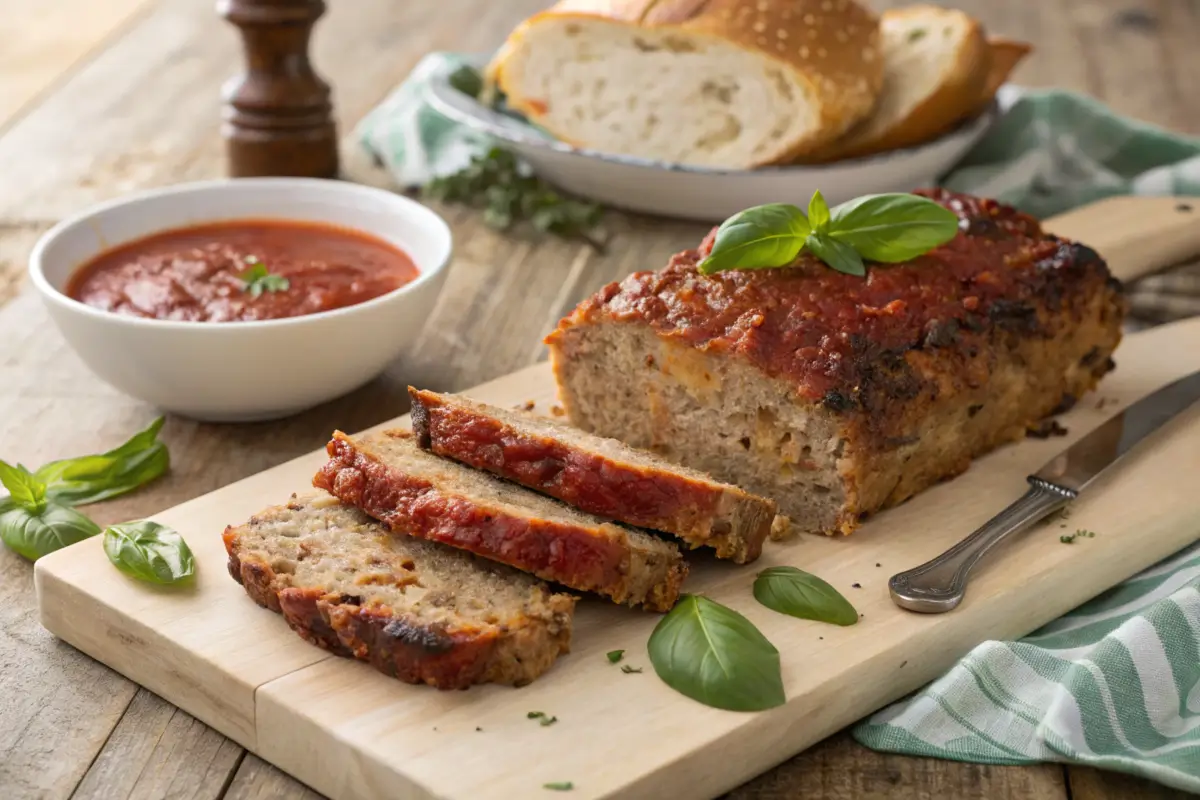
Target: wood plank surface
x=356, y=734
x=144, y=112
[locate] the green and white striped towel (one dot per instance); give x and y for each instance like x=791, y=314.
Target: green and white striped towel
x=1116, y=683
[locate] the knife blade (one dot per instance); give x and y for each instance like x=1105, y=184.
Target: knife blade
x=939, y=585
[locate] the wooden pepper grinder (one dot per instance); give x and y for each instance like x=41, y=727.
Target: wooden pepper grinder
x=278, y=116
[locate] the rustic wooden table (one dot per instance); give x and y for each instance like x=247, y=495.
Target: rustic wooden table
x=97, y=99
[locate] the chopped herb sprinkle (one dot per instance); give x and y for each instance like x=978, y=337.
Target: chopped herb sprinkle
x=614, y=656
x=542, y=718
x=559, y=786
x=628, y=670
x=1069, y=538
x=856, y=586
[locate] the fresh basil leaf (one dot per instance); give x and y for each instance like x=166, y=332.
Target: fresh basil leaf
x=800, y=594
x=757, y=238
x=150, y=552
x=614, y=656
x=466, y=79
x=841, y=257
x=892, y=227
x=716, y=656
x=34, y=535
x=26, y=489
x=88, y=479
x=818, y=212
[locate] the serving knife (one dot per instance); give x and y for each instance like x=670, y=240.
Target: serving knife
x=940, y=584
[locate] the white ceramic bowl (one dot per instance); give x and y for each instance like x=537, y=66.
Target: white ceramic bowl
x=703, y=193
x=244, y=371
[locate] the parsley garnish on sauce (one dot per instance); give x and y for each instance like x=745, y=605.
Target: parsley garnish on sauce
x=259, y=279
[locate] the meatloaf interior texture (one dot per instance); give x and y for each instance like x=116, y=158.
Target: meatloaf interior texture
x=418, y=611
x=837, y=395
x=595, y=474
x=412, y=491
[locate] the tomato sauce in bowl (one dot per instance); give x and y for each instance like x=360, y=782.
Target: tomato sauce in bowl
x=242, y=271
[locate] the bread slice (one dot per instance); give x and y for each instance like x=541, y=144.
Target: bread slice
x=722, y=83
x=936, y=66
x=415, y=610
x=594, y=474
x=410, y=490
x=1005, y=55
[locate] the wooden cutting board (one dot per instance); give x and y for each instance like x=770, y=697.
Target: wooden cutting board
x=352, y=733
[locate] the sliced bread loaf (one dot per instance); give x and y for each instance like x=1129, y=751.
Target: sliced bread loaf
x=410, y=490
x=722, y=83
x=416, y=610
x=936, y=65
x=594, y=474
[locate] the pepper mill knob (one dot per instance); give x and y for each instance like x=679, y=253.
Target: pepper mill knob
x=278, y=116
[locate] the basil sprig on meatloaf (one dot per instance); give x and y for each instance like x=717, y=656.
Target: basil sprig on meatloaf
x=885, y=228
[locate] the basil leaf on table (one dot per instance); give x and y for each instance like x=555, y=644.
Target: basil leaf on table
x=33, y=534
x=149, y=551
x=800, y=594
x=892, y=227
x=836, y=255
x=763, y=236
x=88, y=479
x=25, y=489
x=716, y=656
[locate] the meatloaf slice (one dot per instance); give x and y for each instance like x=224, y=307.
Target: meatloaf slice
x=838, y=395
x=416, y=610
x=595, y=474
x=411, y=490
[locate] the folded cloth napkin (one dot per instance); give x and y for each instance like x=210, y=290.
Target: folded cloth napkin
x=1115, y=683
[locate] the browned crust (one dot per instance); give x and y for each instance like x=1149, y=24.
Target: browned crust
x=580, y=557
x=703, y=514
x=399, y=647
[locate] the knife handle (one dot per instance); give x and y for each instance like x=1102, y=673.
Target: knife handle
x=938, y=586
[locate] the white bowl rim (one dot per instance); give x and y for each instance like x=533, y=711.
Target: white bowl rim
x=454, y=105
x=40, y=282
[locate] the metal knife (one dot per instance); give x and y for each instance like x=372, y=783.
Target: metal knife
x=939, y=585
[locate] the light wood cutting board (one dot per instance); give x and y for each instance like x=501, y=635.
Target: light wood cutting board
x=352, y=733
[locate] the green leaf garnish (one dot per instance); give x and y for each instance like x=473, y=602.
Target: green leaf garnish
x=883, y=228
x=799, y=594
x=772, y=234
x=88, y=479
x=614, y=656
x=716, y=656
x=149, y=551
x=467, y=80
x=542, y=717
x=628, y=670
x=559, y=786
x=24, y=488
x=259, y=279
x=35, y=534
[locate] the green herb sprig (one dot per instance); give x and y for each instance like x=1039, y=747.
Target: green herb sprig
x=508, y=193
x=884, y=228
x=259, y=279
x=800, y=594
x=716, y=656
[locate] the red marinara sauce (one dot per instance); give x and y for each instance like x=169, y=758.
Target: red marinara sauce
x=196, y=274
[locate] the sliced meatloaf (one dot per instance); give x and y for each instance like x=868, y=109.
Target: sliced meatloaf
x=838, y=395
x=416, y=610
x=409, y=489
x=595, y=474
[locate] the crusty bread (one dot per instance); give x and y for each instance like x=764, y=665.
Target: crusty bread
x=595, y=474
x=416, y=610
x=936, y=67
x=723, y=83
x=409, y=489
x=1005, y=55
x=835, y=395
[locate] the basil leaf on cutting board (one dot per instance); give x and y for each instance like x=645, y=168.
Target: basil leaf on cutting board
x=89, y=479
x=149, y=551
x=716, y=656
x=33, y=534
x=800, y=594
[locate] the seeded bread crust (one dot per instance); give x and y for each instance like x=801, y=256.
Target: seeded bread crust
x=390, y=477
x=415, y=610
x=594, y=474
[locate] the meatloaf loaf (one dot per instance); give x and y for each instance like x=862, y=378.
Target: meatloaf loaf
x=594, y=474
x=416, y=610
x=837, y=395
x=413, y=491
